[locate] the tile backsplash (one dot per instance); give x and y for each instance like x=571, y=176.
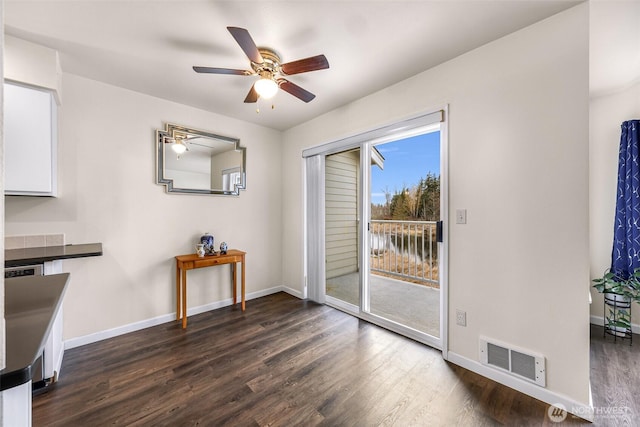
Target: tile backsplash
x=33, y=241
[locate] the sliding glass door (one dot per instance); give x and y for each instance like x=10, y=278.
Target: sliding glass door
x=374, y=235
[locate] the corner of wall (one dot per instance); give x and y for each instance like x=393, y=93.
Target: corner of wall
x=2, y=324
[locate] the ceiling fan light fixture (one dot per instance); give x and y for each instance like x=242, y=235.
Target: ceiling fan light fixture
x=178, y=147
x=266, y=86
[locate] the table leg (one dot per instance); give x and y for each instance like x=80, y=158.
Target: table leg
x=184, y=299
x=233, y=281
x=242, y=283
x=178, y=313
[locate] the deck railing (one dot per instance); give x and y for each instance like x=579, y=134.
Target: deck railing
x=405, y=249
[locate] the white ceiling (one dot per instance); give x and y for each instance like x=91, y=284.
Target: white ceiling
x=614, y=45
x=150, y=46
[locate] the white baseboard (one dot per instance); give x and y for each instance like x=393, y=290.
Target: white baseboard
x=599, y=320
x=294, y=292
x=143, y=324
x=552, y=398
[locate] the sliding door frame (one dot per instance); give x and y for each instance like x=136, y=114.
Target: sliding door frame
x=315, y=223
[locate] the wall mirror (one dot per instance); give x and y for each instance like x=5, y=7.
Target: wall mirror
x=199, y=162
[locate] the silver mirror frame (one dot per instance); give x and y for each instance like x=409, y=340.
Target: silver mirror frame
x=168, y=133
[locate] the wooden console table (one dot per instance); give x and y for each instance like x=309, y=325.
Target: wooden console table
x=191, y=261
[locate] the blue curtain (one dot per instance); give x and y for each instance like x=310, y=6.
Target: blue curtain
x=625, y=257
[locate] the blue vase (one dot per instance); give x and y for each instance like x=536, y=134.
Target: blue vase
x=223, y=248
x=207, y=241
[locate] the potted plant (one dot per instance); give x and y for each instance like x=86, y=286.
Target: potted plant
x=619, y=293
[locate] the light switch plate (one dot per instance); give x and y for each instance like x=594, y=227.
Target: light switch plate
x=461, y=216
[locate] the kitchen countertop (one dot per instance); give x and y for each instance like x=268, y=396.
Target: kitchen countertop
x=39, y=255
x=30, y=306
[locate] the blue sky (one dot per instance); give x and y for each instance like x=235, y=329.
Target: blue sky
x=405, y=162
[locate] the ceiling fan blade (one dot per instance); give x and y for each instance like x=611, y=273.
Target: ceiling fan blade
x=252, y=96
x=200, y=145
x=313, y=63
x=247, y=44
x=213, y=70
x=295, y=90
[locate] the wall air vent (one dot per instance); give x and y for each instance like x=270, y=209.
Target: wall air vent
x=515, y=361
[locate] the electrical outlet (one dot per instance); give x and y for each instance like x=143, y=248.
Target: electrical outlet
x=461, y=216
x=461, y=318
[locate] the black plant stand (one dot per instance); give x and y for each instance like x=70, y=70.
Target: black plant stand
x=617, y=317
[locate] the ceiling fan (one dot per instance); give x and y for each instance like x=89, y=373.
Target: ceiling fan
x=267, y=64
x=180, y=143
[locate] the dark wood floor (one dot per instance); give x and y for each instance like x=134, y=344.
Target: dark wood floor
x=615, y=379
x=288, y=362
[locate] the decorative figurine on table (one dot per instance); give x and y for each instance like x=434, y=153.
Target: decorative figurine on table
x=207, y=241
x=223, y=248
x=200, y=250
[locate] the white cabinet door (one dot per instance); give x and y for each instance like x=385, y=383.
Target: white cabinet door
x=30, y=131
x=15, y=404
x=54, y=344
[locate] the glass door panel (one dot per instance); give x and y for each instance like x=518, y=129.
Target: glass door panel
x=342, y=229
x=403, y=278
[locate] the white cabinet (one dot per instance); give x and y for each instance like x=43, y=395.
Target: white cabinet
x=30, y=141
x=15, y=404
x=54, y=344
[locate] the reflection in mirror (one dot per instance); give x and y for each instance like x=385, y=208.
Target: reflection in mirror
x=194, y=161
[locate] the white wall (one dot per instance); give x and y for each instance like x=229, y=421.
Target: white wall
x=605, y=117
x=187, y=179
x=220, y=162
x=518, y=150
x=108, y=194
